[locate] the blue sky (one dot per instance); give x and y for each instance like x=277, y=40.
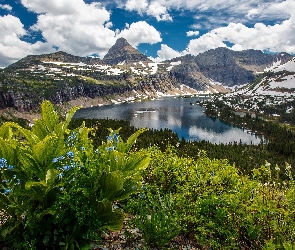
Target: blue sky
x=161, y=29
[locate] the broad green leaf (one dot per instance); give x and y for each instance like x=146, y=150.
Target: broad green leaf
x=111, y=183
x=40, y=129
x=8, y=150
x=49, y=116
x=131, y=140
x=37, y=190
x=70, y=115
x=137, y=161
x=51, y=176
x=114, y=220
x=29, y=164
x=46, y=150
x=6, y=130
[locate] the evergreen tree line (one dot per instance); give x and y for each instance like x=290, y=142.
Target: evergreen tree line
x=244, y=157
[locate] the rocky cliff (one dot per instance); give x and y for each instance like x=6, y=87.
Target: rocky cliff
x=123, y=53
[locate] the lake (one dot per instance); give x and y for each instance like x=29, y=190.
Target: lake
x=177, y=114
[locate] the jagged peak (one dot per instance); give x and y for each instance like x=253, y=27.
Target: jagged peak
x=122, y=51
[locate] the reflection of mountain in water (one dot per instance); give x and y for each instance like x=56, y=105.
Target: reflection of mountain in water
x=188, y=121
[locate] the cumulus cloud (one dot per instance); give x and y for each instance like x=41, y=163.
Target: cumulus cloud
x=204, y=43
x=275, y=38
x=140, y=32
x=12, y=47
x=158, y=11
x=137, y=5
x=166, y=53
x=152, y=8
x=5, y=7
x=192, y=33
x=73, y=25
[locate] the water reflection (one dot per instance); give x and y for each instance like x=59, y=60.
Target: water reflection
x=188, y=121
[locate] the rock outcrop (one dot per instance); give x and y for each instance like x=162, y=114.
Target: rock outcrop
x=123, y=52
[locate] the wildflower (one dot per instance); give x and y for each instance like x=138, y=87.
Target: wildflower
x=60, y=175
x=6, y=181
x=277, y=168
x=116, y=137
x=55, y=160
x=10, y=167
x=267, y=164
x=109, y=149
x=3, y=163
x=82, y=148
x=66, y=168
x=61, y=189
x=110, y=138
x=70, y=154
x=288, y=166
x=18, y=181
x=6, y=191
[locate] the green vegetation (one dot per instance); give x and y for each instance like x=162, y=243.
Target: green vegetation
x=77, y=178
x=57, y=190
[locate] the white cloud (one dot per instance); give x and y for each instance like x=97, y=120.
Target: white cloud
x=158, y=11
x=204, y=43
x=192, y=33
x=5, y=7
x=275, y=38
x=73, y=26
x=152, y=8
x=166, y=53
x=140, y=32
x=137, y=5
x=12, y=47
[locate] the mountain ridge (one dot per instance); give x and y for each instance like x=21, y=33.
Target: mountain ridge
x=62, y=77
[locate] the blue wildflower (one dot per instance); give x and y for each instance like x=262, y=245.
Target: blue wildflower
x=10, y=167
x=3, y=163
x=6, y=191
x=109, y=149
x=109, y=137
x=60, y=175
x=116, y=137
x=70, y=154
x=55, y=160
x=61, y=189
x=18, y=181
x=82, y=148
x=6, y=181
x=66, y=168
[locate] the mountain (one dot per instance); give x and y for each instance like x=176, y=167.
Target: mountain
x=277, y=80
x=60, y=56
x=124, y=71
x=123, y=53
x=225, y=67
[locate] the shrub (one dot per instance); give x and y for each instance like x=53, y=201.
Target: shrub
x=57, y=190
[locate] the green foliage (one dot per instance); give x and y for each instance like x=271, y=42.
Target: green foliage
x=57, y=190
x=222, y=208
x=156, y=217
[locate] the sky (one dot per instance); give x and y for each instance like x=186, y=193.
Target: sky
x=160, y=29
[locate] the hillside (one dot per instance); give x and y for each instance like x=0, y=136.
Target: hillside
x=126, y=73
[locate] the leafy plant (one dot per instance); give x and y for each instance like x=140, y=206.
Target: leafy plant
x=54, y=177
x=156, y=218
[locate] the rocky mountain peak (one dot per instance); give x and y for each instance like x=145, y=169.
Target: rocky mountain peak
x=123, y=52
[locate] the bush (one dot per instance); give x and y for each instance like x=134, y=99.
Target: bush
x=57, y=190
